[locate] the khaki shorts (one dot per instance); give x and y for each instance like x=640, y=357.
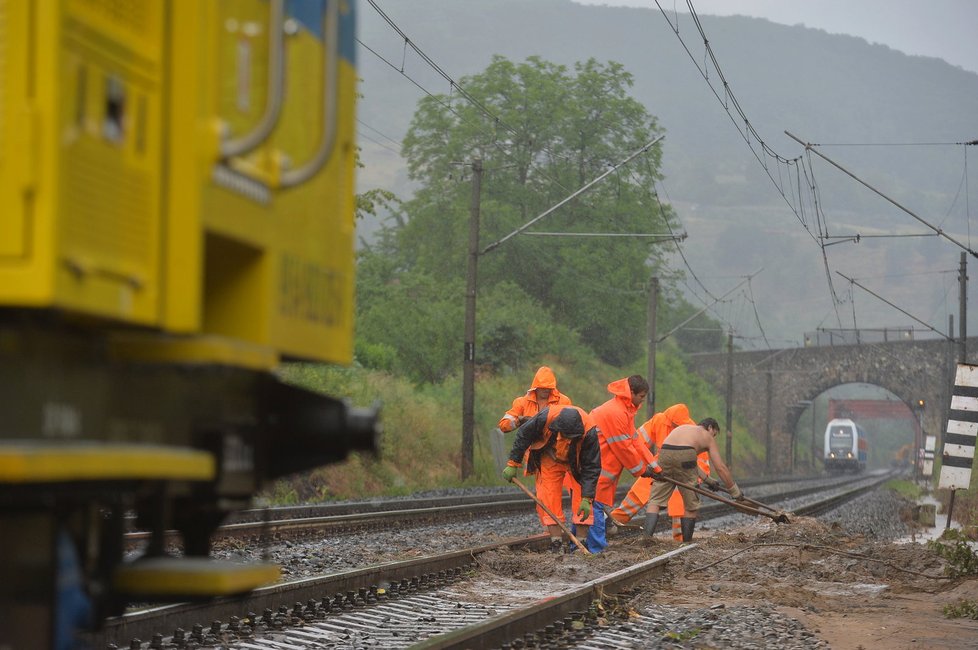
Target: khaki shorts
x=679, y=464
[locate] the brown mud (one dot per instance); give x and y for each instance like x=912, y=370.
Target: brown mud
x=854, y=592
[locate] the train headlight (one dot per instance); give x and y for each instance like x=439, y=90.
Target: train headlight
x=849, y=454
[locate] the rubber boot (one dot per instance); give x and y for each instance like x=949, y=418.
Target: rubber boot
x=557, y=546
x=651, y=519
x=688, y=523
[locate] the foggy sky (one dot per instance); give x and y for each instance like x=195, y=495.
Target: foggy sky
x=937, y=28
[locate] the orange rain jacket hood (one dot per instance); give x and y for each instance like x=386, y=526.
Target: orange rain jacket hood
x=545, y=378
x=678, y=414
x=526, y=406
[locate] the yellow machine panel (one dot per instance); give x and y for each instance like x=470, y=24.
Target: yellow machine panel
x=182, y=166
x=81, y=157
x=176, y=217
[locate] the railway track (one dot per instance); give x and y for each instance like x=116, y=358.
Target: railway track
x=456, y=599
x=296, y=522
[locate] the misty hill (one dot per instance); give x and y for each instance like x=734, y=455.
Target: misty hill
x=824, y=88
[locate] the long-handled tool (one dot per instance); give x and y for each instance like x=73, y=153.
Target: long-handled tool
x=552, y=515
x=776, y=515
x=758, y=504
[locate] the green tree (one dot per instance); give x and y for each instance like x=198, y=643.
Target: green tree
x=541, y=132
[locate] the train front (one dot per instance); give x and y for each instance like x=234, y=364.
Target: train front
x=845, y=447
x=177, y=183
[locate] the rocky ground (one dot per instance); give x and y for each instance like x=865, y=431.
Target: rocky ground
x=840, y=581
x=808, y=584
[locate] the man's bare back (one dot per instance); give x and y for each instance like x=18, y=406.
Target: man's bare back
x=701, y=439
x=690, y=435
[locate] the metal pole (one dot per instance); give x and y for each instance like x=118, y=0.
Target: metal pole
x=962, y=345
x=963, y=310
x=950, y=507
x=767, y=426
x=653, y=304
x=468, y=354
x=813, y=435
x=918, y=443
x=729, y=421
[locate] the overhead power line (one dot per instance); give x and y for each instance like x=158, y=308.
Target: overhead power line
x=902, y=311
x=571, y=196
x=940, y=232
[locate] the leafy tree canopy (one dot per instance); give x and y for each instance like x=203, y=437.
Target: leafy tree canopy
x=541, y=132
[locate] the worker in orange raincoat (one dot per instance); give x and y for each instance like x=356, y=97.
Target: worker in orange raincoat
x=556, y=442
x=620, y=448
x=651, y=433
x=543, y=393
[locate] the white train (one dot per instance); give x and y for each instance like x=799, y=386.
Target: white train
x=846, y=446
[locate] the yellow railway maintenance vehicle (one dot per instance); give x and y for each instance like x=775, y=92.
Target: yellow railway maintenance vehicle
x=176, y=219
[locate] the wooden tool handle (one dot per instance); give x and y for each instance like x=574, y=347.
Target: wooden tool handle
x=549, y=512
x=713, y=495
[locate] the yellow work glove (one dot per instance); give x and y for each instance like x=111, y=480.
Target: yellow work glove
x=509, y=472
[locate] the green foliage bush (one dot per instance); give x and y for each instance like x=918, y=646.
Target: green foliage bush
x=962, y=609
x=420, y=446
x=960, y=557
x=907, y=489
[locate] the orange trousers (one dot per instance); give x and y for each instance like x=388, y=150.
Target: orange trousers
x=637, y=497
x=551, y=479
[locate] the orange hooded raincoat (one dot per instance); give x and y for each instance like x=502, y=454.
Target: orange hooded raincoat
x=652, y=433
x=526, y=406
x=620, y=448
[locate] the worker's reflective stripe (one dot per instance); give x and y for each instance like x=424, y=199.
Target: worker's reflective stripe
x=511, y=418
x=92, y=461
x=630, y=507
x=611, y=476
x=624, y=437
x=645, y=436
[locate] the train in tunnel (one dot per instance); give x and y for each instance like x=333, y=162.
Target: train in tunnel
x=177, y=191
x=845, y=447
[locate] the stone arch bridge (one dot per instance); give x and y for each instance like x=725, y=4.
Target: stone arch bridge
x=769, y=385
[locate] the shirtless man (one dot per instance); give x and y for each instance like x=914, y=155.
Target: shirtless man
x=677, y=460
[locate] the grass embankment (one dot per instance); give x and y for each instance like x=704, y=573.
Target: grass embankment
x=420, y=447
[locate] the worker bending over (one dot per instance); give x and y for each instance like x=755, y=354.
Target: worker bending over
x=557, y=442
x=652, y=434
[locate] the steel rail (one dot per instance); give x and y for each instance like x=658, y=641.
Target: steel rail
x=357, y=587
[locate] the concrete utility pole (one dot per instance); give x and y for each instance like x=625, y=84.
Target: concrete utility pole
x=653, y=304
x=767, y=425
x=963, y=309
x=729, y=421
x=813, y=436
x=468, y=354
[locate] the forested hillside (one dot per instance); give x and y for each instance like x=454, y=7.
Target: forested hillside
x=825, y=88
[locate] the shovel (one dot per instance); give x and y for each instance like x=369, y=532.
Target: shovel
x=776, y=515
x=549, y=512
